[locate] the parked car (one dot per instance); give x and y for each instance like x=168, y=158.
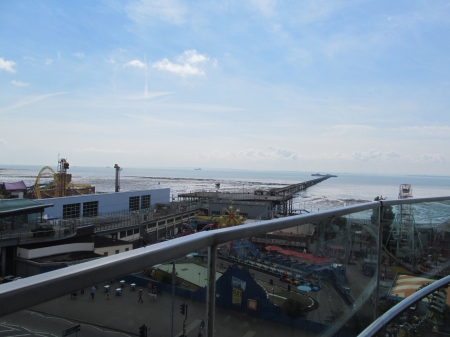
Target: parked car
x=43, y=230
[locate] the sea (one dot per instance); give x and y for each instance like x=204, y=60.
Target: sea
x=343, y=190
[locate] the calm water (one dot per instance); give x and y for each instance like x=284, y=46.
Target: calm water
x=346, y=189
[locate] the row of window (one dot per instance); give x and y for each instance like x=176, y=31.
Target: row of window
x=143, y=202
x=90, y=209
x=129, y=232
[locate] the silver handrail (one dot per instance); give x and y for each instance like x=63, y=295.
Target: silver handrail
x=392, y=313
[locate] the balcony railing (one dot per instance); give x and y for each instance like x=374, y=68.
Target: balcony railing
x=316, y=274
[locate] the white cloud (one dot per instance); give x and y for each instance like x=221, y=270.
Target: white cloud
x=392, y=154
x=283, y=153
x=136, y=64
x=20, y=84
x=189, y=64
x=192, y=57
x=3, y=141
x=7, y=65
x=48, y=62
x=146, y=12
x=79, y=54
x=437, y=158
x=372, y=154
x=58, y=54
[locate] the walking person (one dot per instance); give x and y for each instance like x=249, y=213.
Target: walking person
x=149, y=286
x=202, y=329
x=93, y=290
x=140, y=296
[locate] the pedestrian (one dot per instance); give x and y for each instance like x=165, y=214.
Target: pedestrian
x=149, y=286
x=82, y=292
x=202, y=326
x=140, y=296
x=93, y=290
x=107, y=295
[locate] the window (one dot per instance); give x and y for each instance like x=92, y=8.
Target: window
x=145, y=202
x=123, y=234
x=71, y=211
x=90, y=209
x=129, y=232
x=127, y=249
x=117, y=251
x=215, y=213
x=134, y=203
x=136, y=231
x=105, y=254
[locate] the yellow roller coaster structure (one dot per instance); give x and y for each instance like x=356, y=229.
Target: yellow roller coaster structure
x=60, y=185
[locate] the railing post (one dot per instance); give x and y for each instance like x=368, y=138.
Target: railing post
x=379, y=255
x=211, y=291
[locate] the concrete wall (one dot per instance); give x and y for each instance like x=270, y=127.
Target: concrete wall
x=107, y=203
x=112, y=249
x=54, y=250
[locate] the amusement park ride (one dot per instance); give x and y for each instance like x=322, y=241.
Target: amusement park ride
x=60, y=184
x=228, y=219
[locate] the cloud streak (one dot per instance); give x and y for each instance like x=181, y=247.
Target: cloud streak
x=29, y=100
x=20, y=84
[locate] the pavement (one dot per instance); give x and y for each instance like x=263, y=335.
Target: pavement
x=123, y=315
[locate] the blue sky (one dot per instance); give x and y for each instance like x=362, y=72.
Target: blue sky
x=328, y=86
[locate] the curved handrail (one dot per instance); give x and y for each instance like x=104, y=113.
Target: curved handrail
x=392, y=313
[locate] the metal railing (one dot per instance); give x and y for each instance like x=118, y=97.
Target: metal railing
x=30, y=291
x=408, y=302
x=67, y=227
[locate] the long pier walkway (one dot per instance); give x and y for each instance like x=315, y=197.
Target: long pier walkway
x=281, y=198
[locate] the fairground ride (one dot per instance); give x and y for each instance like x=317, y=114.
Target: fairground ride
x=60, y=184
x=229, y=219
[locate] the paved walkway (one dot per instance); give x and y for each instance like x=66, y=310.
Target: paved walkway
x=123, y=315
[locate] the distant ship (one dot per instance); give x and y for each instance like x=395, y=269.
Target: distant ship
x=323, y=175
x=198, y=169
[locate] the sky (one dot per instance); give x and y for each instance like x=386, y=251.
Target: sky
x=312, y=85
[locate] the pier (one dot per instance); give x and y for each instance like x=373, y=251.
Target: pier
x=280, y=198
